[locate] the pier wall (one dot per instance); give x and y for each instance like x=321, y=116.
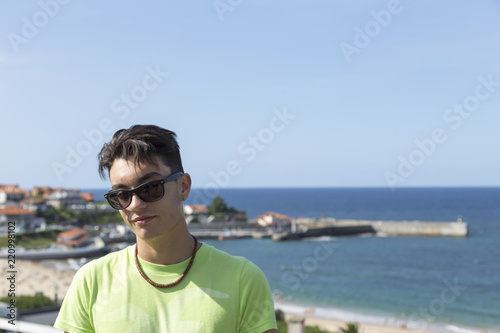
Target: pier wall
x=406, y=228
x=453, y=229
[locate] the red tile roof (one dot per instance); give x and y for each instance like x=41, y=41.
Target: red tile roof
x=8, y=186
x=32, y=201
x=72, y=236
x=87, y=196
x=15, y=210
x=199, y=208
x=12, y=189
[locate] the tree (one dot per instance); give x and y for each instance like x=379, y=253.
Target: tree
x=219, y=206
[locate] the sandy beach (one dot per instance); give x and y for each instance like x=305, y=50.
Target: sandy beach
x=34, y=277
x=368, y=324
x=334, y=326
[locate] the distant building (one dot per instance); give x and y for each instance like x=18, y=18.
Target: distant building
x=41, y=191
x=74, y=237
x=196, y=209
x=12, y=193
x=24, y=219
x=274, y=219
x=87, y=197
x=34, y=205
x=197, y=213
x=91, y=207
x=65, y=198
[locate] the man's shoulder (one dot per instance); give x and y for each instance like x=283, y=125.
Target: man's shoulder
x=116, y=255
x=237, y=264
x=212, y=253
x=109, y=260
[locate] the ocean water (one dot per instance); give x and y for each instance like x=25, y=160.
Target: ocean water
x=425, y=282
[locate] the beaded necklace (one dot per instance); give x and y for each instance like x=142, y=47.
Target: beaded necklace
x=167, y=285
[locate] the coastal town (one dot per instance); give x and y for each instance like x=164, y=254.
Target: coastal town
x=42, y=206
x=27, y=207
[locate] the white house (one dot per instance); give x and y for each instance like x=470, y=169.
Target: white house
x=196, y=209
x=22, y=218
x=64, y=199
x=12, y=193
x=274, y=219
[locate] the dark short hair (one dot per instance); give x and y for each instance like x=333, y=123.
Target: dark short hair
x=141, y=144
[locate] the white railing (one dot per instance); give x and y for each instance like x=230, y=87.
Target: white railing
x=26, y=327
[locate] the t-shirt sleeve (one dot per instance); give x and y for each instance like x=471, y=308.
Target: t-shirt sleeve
x=74, y=315
x=256, y=302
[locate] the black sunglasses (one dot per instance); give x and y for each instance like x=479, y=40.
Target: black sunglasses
x=148, y=192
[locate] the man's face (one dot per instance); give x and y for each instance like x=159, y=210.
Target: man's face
x=150, y=220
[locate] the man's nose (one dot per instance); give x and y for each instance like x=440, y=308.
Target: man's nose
x=136, y=203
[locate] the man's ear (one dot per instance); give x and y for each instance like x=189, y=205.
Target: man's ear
x=185, y=188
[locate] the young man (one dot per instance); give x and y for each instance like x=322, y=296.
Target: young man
x=167, y=281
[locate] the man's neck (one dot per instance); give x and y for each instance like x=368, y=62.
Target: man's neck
x=168, y=250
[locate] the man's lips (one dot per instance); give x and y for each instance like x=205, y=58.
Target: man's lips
x=141, y=220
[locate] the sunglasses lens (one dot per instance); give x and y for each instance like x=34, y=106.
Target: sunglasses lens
x=119, y=200
x=124, y=198
x=151, y=191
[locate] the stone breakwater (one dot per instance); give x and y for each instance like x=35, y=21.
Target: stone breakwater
x=333, y=227
x=405, y=228
x=451, y=229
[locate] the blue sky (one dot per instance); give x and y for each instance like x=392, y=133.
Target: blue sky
x=261, y=93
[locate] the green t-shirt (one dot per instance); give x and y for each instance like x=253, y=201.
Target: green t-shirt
x=221, y=293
